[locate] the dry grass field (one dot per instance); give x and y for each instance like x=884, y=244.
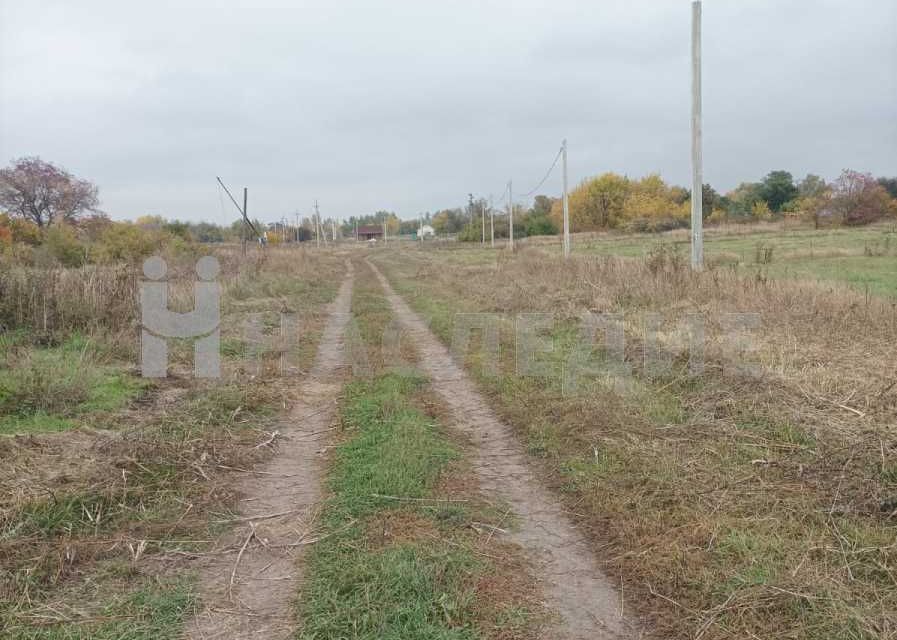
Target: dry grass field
x=730, y=503
x=753, y=496
x=863, y=258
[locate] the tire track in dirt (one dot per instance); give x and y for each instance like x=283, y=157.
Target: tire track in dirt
x=281, y=499
x=573, y=583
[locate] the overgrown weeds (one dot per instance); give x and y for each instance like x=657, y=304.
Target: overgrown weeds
x=141, y=479
x=49, y=388
x=733, y=504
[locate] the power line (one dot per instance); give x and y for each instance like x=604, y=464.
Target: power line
x=504, y=194
x=547, y=173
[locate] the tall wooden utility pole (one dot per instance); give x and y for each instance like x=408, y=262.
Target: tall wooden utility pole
x=566, y=204
x=510, y=217
x=246, y=222
x=697, y=179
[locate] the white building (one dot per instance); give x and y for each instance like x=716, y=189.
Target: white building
x=426, y=231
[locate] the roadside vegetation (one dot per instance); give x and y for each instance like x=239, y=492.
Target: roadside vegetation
x=864, y=258
x=98, y=524
x=733, y=504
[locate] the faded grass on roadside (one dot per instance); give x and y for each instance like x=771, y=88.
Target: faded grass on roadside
x=732, y=505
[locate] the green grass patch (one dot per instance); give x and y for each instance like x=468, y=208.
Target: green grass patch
x=39, y=422
x=777, y=432
x=154, y=611
x=876, y=275
x=53, y=388
x=417, y=588
x=865, y=259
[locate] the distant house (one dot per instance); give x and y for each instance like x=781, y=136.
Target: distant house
x=370, y=232
x=426, y=231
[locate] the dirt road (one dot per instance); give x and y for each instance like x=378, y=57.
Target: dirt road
x=572, y=581
x=248, y=588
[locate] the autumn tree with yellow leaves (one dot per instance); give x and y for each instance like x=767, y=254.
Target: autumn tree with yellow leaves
x=612, y=201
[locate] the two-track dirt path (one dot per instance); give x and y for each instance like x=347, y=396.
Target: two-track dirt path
x=281, y=501
x=572, y=581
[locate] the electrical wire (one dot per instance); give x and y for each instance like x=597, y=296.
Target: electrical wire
x=547, y=173
x=504, y=194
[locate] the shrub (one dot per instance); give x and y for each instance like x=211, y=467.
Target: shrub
x=63, y=245
x=20, y=230
x=539, y=225
x=717, y=217
x=655, y=225
x=760, y=210
x=858, y=199
x=124, y=242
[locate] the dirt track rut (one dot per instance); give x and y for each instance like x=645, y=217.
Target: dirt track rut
x=572, y=581
x=259, y=603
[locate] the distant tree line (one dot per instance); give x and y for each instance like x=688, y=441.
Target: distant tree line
x=612, y=201
x=48, y=215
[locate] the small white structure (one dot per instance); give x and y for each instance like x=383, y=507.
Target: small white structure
x=426, y=231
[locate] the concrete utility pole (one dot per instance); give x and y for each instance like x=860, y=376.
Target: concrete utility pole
x=483, y=206
x=491, y=223
x=566, y=204
x=697, y=179
x=510, y=217
x=333, y=230
x=317, y=226
x=323, y=230
x=245, y=198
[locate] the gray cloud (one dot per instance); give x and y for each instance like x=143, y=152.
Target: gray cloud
x=411, y=105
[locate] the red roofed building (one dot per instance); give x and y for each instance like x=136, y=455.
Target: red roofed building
x=370, y=232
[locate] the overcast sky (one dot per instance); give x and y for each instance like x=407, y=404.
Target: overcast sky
x=408, y=105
